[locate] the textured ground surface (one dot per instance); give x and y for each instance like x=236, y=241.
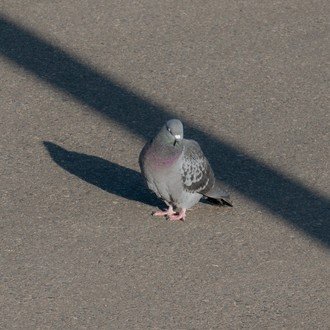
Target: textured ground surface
x=84, y=84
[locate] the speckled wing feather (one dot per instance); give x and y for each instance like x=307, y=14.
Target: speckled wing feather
x=196, y=172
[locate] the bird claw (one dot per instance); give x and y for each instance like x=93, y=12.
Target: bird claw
x=159, y=213
x=171, y=215
x=169, y=212
x=177, y=216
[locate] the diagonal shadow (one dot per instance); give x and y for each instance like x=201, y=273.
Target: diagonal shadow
x=108, y=176
x=281, y=195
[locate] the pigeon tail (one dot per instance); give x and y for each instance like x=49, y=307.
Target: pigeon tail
x=218, y=196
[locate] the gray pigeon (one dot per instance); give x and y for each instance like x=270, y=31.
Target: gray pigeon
x=178, y=172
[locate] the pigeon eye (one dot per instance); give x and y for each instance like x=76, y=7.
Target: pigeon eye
x=169, y=129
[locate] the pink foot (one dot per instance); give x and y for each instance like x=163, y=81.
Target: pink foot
x=169, y=212
x=177, y=216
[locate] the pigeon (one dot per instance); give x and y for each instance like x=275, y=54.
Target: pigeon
x=177, y=171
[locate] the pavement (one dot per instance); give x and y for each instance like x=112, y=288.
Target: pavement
x=84, y=84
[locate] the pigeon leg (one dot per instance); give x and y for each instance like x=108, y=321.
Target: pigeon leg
x=169, y=212
x=179, y=216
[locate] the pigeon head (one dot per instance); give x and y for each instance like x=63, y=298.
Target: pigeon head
x=174, y=130
x=171, y=133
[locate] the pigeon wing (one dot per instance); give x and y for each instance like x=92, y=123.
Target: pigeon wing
x=196, y=172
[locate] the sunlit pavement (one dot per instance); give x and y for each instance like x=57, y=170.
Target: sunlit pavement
x=83, y=85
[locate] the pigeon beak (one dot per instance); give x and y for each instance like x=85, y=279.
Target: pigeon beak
x=177, y=139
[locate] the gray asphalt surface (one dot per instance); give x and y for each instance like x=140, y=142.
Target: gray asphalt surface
x=84, y=84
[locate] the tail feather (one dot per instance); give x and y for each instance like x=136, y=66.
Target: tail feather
x=218, y=196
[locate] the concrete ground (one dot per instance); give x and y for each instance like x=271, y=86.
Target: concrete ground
x=84, y=84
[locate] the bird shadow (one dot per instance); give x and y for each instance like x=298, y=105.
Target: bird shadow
x=104, y=174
